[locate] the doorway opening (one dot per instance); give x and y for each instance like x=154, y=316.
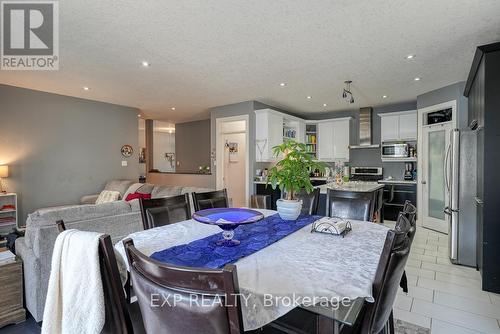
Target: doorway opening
x=232, y=158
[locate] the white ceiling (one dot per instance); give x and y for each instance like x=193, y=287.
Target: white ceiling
x=215, y=52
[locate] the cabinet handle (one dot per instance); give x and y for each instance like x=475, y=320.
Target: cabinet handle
x=424, y=182
x=479, y=201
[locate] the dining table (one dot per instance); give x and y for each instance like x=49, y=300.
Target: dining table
x=302, y=266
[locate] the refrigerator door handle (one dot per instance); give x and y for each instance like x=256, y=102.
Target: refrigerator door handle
x=446, y=169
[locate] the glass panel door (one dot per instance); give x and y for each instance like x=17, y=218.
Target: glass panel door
x=435, y=162
x=436, y=141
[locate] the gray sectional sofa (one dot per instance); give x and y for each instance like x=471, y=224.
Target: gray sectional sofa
x=118, y=219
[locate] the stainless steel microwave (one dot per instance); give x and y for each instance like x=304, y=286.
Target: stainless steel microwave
x=394, y=150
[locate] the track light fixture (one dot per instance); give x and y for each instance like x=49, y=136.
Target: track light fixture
x=346, y=93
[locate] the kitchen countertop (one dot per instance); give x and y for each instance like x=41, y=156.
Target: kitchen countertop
x=314, y=178
x=395, y=181
x=364, y=187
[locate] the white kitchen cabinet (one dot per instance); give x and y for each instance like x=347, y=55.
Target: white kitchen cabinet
x=389, y=128
x=341, y=140
x=268, y=133
x=398, y=126
x=408, y=126
x=333, y=139
x=325, y=141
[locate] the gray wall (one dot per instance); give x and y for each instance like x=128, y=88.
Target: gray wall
x=192, y=145
x=445, y=94
x=237, y=109
x=60, y=148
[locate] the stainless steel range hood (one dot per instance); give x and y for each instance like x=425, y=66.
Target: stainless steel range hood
x=365, y=129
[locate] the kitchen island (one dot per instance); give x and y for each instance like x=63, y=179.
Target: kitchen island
x=367, y=190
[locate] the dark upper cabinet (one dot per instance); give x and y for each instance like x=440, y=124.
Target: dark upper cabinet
x=476, y=97
x=482, y=89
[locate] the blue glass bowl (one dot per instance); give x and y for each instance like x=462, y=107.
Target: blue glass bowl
x=228, y=219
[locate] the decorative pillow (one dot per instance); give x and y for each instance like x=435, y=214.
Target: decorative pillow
x=144, y=188
x=137, y=195
x=107, y=196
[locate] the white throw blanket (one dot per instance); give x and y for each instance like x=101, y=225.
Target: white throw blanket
x=75, y=300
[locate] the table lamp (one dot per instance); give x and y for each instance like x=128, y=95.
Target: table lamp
x=4, y=172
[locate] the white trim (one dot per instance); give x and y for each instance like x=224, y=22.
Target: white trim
x=285, y=116
x=398, y=113
x=420, y=116
x=329, y=120
x=219, y=151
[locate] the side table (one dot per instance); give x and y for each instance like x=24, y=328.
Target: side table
x=11, y=293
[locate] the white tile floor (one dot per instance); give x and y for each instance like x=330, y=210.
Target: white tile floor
x=442, y=296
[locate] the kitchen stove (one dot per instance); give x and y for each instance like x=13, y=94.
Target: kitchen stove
x=366, y=174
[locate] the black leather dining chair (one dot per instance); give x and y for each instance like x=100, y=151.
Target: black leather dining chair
x=310, y=202
x=120, y=317
x=374, y=318
x=357, y=208
x=410, y=212
x=175, y=311
x=405, y=227
x=164, y=211
x=378, y=316
x=209, y=200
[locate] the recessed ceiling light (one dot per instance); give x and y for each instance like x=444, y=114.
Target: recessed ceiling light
x=309, y=97
x=384, y=96
x=145, y=64
x=283, y=84
x=86, y=88
x=173, y=108
x=324, y=104
x=410, y=57
x=417, y=79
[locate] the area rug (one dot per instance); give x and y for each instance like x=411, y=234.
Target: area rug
x=403, y=327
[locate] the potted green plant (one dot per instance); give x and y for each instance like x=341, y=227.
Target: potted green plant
x=291, y=174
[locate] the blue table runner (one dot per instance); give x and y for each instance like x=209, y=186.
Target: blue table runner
x=204, y=253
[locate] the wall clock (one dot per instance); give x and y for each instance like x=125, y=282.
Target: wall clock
x=127, y=151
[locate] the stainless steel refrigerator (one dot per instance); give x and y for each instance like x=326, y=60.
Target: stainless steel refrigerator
x=460, y=182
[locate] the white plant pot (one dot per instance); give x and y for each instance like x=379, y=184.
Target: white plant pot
x=289, y=209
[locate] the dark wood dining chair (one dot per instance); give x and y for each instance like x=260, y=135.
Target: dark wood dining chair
x=120, y=317
x=175, y=311
x=209, y=200
x=310, y=202
x=164, y=211
x=355, y=208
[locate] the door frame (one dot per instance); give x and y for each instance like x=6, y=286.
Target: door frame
x=421, y=112
x=219, y=151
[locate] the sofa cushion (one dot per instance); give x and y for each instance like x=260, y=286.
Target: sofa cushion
x=119, y=185
x=107, y=196
x=78, y=212
x=165, y=191
x=142, y=188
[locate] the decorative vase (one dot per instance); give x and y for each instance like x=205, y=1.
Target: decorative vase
x=289, y=209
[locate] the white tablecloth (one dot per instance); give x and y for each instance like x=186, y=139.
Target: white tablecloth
x=303, y=264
